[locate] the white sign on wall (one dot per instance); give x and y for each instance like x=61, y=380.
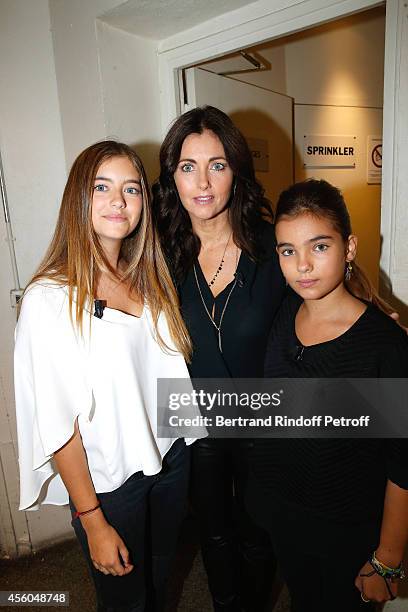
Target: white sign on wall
x=374, y=159
x=329, y=151
x=260, y=154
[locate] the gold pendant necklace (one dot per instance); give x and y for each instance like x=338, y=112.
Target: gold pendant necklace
x=217, y=327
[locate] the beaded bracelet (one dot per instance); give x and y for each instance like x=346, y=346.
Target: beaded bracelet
x=390, y=573
x=78, y=514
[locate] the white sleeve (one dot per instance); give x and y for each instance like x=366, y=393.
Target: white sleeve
x=51, y=390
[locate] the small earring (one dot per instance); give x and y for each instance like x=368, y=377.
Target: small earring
x=349, y=271
x=234, y=189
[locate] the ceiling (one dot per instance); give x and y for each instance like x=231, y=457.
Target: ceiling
x=159, y=19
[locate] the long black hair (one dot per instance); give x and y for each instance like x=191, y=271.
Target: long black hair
x=247, y=203
x=323, y=200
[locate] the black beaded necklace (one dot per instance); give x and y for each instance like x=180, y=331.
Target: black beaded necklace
x=214, y=278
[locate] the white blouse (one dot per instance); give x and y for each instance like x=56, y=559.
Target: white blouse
x=107, y=378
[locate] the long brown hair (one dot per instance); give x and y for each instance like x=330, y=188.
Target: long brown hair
x=320, y=198
x=75, y=254
x=247, y=205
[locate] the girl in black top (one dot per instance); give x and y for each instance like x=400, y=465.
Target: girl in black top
x=209, y=211
x=329, y=503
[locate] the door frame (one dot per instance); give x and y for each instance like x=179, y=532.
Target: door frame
x=259, y=22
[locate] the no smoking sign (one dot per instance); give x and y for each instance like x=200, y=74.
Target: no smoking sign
x=374, y=159
x=376, y=156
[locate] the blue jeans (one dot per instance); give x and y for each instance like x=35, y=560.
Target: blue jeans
x=147, y=512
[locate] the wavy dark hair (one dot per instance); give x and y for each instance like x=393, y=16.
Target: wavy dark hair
x=323, y=200
x=247, y=204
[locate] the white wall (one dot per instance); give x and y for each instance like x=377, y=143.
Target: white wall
x=33, y=159
x=31, y=138
x=130, y=91
x=339, y=63
x=8, y=462
x=78, y=71
x=107, y=80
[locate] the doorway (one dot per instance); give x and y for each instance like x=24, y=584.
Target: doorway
x=322, y=84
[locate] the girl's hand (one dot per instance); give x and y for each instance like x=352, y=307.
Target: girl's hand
x=374, y=588
x=107, y=549
x=395, y=316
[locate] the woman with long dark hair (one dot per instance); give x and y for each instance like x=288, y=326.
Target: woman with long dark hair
x=209, y=210
x=336, y=509
x=99, y=323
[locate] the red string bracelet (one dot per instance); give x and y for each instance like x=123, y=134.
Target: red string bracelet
x=78, y=514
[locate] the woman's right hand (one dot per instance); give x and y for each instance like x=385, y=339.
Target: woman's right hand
x=107, y=549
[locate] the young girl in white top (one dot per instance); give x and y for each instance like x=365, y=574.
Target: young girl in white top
x=86, y=385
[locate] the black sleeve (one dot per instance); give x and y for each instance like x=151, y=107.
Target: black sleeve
x=394, y=364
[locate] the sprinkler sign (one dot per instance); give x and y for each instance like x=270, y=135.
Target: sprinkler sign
x=321, y=151
x=374, y=159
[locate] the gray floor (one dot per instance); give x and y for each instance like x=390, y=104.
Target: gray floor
x=62, y=568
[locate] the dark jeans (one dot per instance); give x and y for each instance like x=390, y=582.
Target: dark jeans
x=319, y=559
x=147, y=512
x=237, y=554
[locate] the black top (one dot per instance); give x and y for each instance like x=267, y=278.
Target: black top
x=247, y=319
x=342, y=479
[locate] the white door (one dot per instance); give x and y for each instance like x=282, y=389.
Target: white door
x=264, y=117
